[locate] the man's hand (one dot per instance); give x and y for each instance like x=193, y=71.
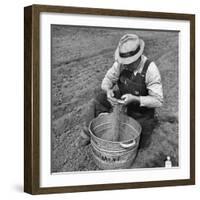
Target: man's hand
x=111, y=98
x=129, y=98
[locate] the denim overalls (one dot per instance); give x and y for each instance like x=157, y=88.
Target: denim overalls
x=129, y=83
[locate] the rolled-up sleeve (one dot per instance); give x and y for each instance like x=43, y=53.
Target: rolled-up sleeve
x=154, y=86
x=111, y=77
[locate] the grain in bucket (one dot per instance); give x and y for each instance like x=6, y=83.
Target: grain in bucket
x=111, y=150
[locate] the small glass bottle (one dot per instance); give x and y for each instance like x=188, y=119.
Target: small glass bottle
x=168, y=163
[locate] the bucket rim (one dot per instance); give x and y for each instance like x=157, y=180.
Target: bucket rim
x=113, y=142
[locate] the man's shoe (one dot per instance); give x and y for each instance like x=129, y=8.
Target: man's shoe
x=84, y=137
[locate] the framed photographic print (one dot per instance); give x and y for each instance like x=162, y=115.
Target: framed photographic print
x=109, y=99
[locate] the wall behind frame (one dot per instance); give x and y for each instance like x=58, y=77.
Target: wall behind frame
x=11, y=101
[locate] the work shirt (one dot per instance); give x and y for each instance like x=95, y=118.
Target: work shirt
x=152, y=80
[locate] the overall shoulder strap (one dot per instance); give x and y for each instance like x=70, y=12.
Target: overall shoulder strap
x=146, y=65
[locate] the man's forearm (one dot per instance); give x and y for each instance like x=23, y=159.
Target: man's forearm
x=111, y=77
x=150, y=101
x=106, y=85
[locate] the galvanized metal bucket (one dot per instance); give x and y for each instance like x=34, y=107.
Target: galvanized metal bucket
x=114, y=155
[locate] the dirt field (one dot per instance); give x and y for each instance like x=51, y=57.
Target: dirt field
x=80, y=58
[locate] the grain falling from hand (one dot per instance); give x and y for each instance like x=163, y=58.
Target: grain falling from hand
x=114, y=133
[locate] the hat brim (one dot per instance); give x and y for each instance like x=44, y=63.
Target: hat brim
x=130, y=59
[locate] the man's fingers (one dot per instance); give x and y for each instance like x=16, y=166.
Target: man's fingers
x=123, y=97
x=110, y=94
x=121, y=101
x=113, y=101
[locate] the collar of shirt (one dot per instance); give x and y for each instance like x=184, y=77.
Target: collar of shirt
x=139, y=67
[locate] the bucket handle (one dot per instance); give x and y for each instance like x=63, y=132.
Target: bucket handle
x=128, y=144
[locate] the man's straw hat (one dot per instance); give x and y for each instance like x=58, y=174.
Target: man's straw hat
x=129, y=49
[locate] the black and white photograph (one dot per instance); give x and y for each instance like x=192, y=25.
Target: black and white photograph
x=109, y=99
x=114, y=98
